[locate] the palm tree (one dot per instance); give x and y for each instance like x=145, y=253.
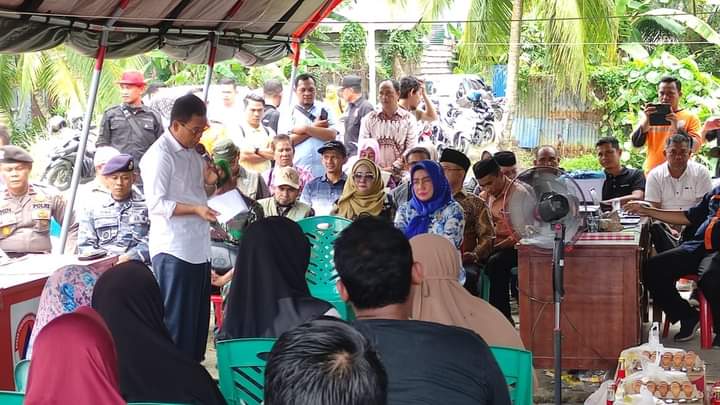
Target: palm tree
x=52, y=81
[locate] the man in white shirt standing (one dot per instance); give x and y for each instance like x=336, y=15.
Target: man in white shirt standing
x=310, y=124
x=678, y=184
x=255, y=138
x=178, y=182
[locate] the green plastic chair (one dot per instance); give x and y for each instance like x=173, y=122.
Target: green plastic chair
x=241, y=366
x=321, y=275
x=516, y=366
x=11, y=398
x=21, y=374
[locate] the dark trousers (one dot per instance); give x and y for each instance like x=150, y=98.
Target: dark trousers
x=661, y=237
x=498, y=270
x=662, y=272
x=186, y=293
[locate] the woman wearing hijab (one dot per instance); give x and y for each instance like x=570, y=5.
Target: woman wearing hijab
x=74, y=363
x=364, y=194
x=269, y=294
x=441, y=298
x=151, y=367
x=431, y=208
x=67, y=289
x=368, y=148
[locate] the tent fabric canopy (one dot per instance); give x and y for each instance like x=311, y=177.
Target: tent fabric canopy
x=255, y=32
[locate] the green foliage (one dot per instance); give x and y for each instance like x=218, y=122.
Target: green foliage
x=352, y=46
x=406, y=46
x=622, y=91
x=583, y=162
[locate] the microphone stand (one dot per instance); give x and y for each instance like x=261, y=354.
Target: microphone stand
x=558, y=293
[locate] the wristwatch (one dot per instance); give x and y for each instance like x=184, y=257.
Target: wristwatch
x=257, y=151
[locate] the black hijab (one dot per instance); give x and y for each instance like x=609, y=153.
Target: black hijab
x=151, y=367
x=269, y=294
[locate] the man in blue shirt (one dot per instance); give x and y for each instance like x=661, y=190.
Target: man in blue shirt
x=694, y=256
x=310, y=124
x=322, y=192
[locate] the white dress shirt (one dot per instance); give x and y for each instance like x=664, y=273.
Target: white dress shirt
x=681, y=193
x=172, y=174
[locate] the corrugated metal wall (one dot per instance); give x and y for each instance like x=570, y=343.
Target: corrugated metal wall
x=545, y=117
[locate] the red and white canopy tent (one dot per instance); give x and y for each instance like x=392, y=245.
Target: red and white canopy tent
x=194, y=31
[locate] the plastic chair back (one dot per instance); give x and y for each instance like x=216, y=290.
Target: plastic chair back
x=516, y=366
x=321, y=275
x=21, y=374
x=11, y=398
x=241, y=366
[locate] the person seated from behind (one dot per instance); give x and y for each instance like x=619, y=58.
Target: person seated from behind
x=285, y=202
x=431, y=208
x=322, y=192
x=67, y=289
x=118, y=222
x=284, y=152
x=364, y=194
x=151, y=367
x=546, y=155
x=677, y=184
x=622, y=184
x=441, y=298
x=427, y=363
x=324, y=362
x=269, y=294
x=74, y=363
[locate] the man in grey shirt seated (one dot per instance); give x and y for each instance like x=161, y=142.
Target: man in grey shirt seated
x=426, y=362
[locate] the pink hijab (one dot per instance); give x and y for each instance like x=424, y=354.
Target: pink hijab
x=74, y=362
x=440, y=297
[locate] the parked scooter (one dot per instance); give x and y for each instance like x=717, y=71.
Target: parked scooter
x=59, y=171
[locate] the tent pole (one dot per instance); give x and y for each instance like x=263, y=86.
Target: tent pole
x=211, y=65
x=295, y=46
x=87, y=120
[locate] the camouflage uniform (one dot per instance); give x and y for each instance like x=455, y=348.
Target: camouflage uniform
x=119, y=227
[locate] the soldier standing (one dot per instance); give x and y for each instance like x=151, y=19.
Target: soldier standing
x=117, y=222
x=26, y=208
x=130, y=127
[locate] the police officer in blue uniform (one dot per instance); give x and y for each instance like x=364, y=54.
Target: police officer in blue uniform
x=117, y=222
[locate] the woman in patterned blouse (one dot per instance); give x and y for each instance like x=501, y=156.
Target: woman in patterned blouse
x=431, y=208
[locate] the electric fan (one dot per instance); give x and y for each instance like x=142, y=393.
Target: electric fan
x=543, y=209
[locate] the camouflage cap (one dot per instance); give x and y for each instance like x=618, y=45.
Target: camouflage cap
x=225, y=149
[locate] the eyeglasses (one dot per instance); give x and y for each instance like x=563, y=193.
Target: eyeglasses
x=423, y=180
x=196, y=131
x=364, y=176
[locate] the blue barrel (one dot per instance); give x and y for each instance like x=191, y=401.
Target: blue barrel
x=499, y=80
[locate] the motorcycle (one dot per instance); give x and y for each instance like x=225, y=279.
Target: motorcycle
x=59, y=171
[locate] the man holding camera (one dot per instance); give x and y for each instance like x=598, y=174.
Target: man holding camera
x=660, y=121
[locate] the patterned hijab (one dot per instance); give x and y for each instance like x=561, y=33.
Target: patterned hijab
x=351, y=203
x=66, y=289
x=442, y=195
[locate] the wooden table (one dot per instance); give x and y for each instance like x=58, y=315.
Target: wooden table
x=21, y=283
x=601, y=309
